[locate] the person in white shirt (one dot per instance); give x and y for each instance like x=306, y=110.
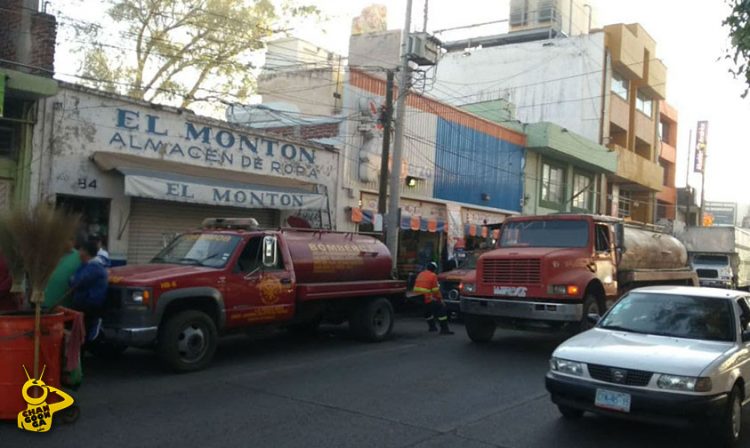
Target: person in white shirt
x=102, y=256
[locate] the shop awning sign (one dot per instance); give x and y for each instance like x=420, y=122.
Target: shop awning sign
x=199, y=191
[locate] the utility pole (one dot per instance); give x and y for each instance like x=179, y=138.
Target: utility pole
x=387, y=118
x=688, y=194
x=703, y=188
x=395, y=184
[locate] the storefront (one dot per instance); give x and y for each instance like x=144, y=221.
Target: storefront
x=140, y=175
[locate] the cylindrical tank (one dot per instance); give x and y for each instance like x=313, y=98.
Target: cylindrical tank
x=647, y=249
x=322, y=257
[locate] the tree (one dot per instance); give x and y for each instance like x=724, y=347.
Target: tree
x=739, y=32
x=182, y=51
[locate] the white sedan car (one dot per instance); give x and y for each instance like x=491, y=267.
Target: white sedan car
x=664, y=354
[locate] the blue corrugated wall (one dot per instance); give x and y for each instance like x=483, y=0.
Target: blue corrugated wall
x=469, y=163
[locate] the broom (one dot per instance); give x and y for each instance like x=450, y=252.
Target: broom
x=40, y=235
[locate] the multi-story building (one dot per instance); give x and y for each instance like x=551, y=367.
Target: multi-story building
x=27, y=54
x=460, y=172
x=666, y=199
x=605, y=86
x=563, y=171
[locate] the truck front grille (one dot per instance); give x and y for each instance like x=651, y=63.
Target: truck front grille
x=707, y=273
x=521, y=271
x=615, y=375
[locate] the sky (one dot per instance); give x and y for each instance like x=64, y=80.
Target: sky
x=690, y=40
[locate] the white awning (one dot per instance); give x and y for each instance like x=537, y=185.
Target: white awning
x=182, y=188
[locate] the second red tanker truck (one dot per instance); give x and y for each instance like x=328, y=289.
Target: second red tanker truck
x=551, y=272
x=231, y=276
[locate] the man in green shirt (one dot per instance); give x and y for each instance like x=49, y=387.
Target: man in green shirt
x=59, y=280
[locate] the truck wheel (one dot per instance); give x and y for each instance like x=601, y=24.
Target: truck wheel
x=591, y=305
x=373, y=321
x=187, y=341
x=479, y=329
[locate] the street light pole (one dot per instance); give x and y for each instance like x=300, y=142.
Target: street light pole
x=398, y=144
x=688, y=194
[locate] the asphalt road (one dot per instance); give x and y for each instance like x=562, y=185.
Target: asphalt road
x=416, y=390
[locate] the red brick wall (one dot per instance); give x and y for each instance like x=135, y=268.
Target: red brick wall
x=44, y=34
x=43, y=31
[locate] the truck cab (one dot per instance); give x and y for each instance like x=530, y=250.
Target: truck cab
x=550, y=272
x=714, y=270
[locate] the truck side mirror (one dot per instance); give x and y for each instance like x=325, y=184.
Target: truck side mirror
x=269, y=251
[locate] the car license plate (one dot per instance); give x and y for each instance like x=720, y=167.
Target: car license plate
x=615, y=401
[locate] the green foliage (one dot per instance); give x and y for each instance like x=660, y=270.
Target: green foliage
x=738, y=23
x=183, y=51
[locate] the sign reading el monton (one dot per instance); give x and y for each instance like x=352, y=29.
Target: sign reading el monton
x=153, y=136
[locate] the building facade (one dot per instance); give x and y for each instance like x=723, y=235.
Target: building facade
x=605, y=86
x=140, y=173
x=27, y=51
x=666, y=205
x=460, y=172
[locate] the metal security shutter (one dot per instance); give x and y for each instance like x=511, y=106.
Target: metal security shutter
x=154, y=223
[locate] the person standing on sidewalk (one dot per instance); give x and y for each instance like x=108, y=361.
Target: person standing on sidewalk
x=57, y=287
x=427, y=284
x=89, y=286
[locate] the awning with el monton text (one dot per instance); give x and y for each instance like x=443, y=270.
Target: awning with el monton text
x=196, y=190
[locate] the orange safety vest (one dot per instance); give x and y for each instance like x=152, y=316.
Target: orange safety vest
x=427, y=285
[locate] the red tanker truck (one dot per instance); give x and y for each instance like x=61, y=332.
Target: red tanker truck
x=550, y=272
x=231, y=275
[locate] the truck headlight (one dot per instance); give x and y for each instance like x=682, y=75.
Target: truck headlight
x=467, y=287
x=563, y=290
x=686, y=383
x=565, y=366
x=140, y=296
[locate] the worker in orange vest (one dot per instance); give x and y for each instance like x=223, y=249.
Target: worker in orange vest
x=427, y=285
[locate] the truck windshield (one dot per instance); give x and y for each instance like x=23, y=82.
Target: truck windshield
x=545, y=233
x=199, y=249
x=713, y=260
x=470, y=262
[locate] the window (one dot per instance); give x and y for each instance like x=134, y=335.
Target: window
x=602, y=238
x=546, y=11
x=664, y=131
x=623, y=208
x=545, y=233
x=672, y=315
x=583, y=191
x=519, y=12
x=553, y=185
x=619, y=86
x=199, y=249
x=666, y=173
x=643, y=103
x=250, y=259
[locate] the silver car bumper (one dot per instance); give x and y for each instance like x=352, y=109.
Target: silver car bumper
x=522, y=309
x=132, y=336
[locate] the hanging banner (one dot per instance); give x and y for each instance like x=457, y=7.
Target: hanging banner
x=230, y=195
x=701, y=141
